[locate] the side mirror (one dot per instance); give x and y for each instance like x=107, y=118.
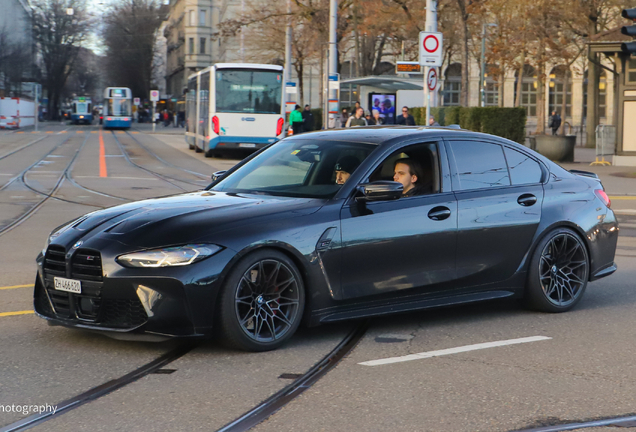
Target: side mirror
x=380, y=191
x=217, y=175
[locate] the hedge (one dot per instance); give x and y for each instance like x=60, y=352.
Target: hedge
x=504, y=122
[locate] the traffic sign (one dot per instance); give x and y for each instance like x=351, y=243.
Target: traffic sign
x=154, y=95
x=136, y=101
x=431, y=79
x=431, y=49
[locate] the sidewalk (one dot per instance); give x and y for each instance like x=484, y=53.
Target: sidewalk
x=159, y=129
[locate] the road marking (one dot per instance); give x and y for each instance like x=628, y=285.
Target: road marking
x=622, y=197
x=625, y=212
x=16, y=286
x=4, y=314
x=449, y=351
x=102, y=156
x=20, y=132
x=122, y=178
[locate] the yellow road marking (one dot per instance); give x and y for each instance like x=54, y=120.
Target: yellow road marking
x=16, y=286
x=135, y=132
x=21, y=132
x=623, y=197
x=35, y=132
x=63, y=131
x=94, y=132
x=4, y=314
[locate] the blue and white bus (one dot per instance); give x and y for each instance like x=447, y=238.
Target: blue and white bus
x=81, y=110
x=117, y=107
x=234, y=106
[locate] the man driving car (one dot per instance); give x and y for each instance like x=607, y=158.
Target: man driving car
x=411, y=174
x=344, y=167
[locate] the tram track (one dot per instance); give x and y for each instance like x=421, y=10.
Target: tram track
x=249, y=419
x=161, y=176
x=14, y=151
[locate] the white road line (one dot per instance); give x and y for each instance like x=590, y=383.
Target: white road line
x=448, y=351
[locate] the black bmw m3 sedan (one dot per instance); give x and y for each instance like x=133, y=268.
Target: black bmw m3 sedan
x=329, y=226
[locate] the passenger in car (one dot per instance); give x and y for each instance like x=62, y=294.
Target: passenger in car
x=344, y=167
x=410, y=173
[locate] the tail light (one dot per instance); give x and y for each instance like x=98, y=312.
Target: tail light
x=279, y=126
x=215, y=125
x=603, y=197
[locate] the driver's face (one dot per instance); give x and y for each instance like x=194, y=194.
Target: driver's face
x=342, y=177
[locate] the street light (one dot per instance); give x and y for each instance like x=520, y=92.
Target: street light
x=482, y=84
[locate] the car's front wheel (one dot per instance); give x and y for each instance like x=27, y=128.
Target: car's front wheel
x=262, y=302
x=558, y=272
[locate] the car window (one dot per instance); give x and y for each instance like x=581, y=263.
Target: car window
x=297, y=168
x=426, y=161
x=523, y=169
x=480, y=165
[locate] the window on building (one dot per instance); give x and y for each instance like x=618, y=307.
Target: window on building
x=602, y=96
x=191, y=51
x=193, y=18
x=202, y=17
x=528, y=89
x=452, y=85
x=631, y=70
x=558, y=91
x=202, y=46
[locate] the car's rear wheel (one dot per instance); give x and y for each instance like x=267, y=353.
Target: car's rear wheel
x=558, y=272
x=261, y=302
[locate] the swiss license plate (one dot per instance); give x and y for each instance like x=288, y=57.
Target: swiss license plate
x=251, y=145
x=69, y=285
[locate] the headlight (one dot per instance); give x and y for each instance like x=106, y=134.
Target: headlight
x=165, y=257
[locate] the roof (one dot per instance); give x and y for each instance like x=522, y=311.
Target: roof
x=375, y=134
x=388, y=82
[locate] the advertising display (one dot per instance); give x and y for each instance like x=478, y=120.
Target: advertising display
x=385, y=104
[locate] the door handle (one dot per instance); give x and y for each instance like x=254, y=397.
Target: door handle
x=527, y=200
x=439, y=213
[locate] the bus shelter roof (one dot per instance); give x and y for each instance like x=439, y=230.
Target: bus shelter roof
x=387, y=82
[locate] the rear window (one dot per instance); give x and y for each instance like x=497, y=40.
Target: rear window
x=480, y=165
x=523, y=169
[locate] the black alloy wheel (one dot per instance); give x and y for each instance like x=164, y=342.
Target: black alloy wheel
x=262, y=302
x=559, y=272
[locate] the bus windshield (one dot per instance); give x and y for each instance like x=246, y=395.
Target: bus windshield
x=119, y=107
x=248, y=91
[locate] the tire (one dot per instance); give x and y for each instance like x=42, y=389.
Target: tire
x=558, y=272
x=251, y=315
x=190, y=146
x=197, y=149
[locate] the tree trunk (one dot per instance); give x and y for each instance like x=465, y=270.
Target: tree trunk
x=500, y=88
x=520, y=80
x=465, y=54
x=591, y=117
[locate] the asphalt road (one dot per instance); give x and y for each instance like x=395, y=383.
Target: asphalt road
x=579, y=365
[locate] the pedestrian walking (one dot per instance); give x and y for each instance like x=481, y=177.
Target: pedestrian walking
x=308, y=119
x=554, y=122
x=357, y=120
x=406, y=119
x=296, y=120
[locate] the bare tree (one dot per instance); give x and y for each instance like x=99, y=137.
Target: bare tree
x=129, y=36
x=59, y=29
x=15, y=63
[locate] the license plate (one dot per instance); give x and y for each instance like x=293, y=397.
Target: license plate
x=69, y=285
x=251, y=145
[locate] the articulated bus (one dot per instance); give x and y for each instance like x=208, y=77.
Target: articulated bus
x=117, y=107
x=234, y=106
x=81, y=110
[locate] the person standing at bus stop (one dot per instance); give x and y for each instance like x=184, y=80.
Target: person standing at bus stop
x=296, y=120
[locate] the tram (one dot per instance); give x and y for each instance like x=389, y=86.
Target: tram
x=81, y=110
x=234, y=106
x=117, y=111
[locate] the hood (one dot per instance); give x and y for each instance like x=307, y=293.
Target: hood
x=184, y=218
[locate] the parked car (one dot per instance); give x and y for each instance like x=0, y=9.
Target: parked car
x=276, y=240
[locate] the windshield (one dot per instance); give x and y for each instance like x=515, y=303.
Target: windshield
x=296, y=168
x=118, y=107
x=81, y=107
x=248, y=91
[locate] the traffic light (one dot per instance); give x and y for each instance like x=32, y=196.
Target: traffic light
x=629, y=47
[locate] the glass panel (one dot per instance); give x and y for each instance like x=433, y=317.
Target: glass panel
x=248, y=91
x=480, y=165
x=202, y=17
x=191, y=102
x=204, y=95
x=202, y=46
x=523, y=169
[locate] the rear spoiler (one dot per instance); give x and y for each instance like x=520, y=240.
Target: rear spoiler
x=585, y=174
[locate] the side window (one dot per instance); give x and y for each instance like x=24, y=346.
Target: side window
x=420, y=160
x=480, y=165
x=523, y=169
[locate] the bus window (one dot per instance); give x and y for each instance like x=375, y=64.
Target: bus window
x=248, y=91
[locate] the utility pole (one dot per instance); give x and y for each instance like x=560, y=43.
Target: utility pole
x=431, y=26
x=482, y=78
x=334, y=102
x=288, y=42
